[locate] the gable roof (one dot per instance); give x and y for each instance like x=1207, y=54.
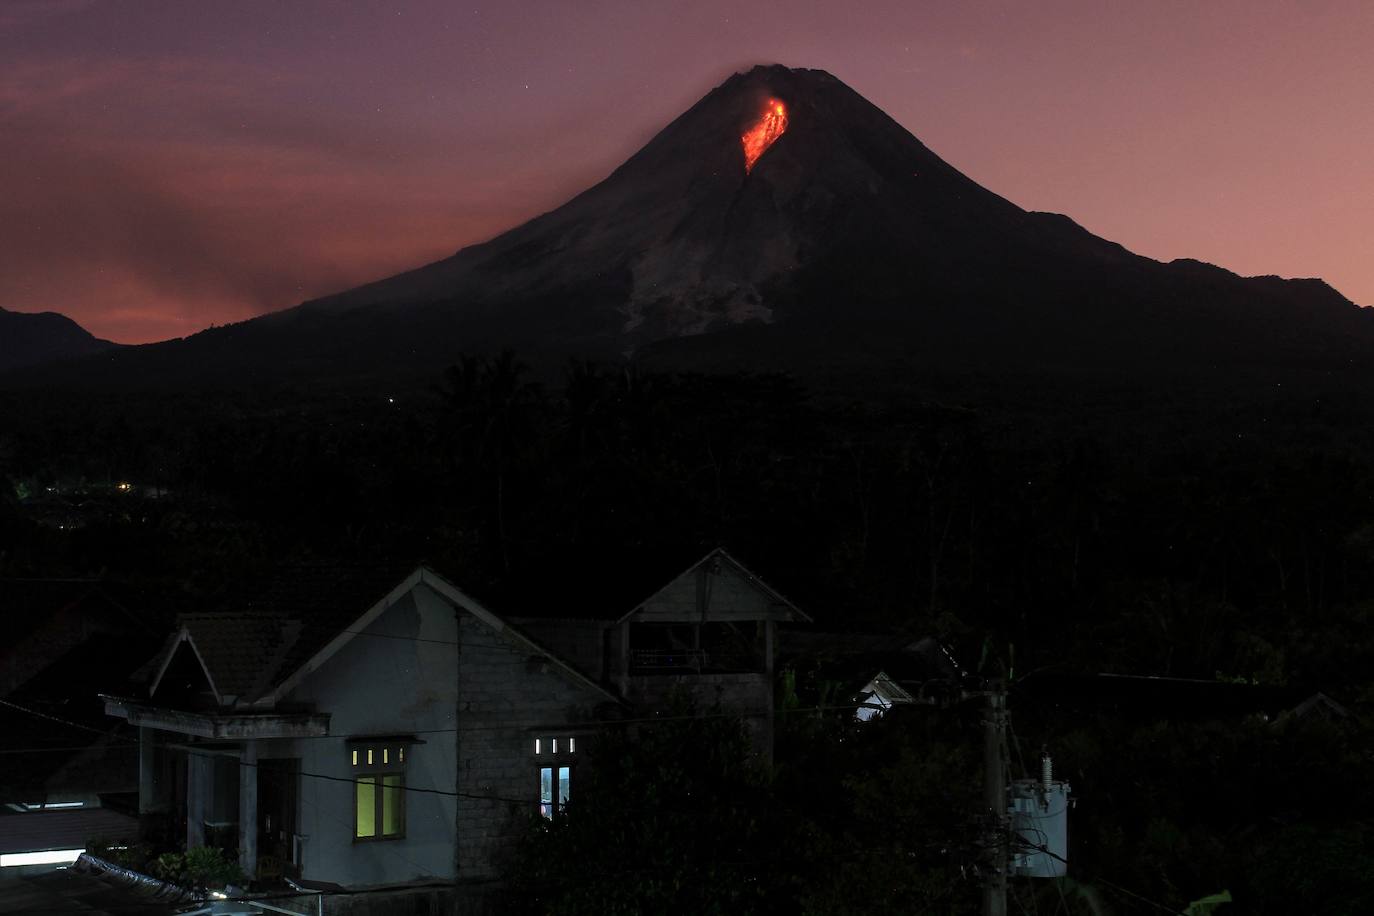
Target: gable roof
x=721, y=556
x=302, y=617
x=255, y=640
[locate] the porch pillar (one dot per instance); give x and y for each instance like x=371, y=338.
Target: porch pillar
x=770, y=629
x=770, y=638
x=149, y=786
x=199, y=784
x=248, y=809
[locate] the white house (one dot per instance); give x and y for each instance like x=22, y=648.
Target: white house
x=370, y=727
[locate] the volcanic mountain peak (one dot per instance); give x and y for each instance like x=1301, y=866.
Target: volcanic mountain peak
x=707, y=225
x=784, y=220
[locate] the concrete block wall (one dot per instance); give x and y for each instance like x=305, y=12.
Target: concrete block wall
x=582, y=643
x=508, y=696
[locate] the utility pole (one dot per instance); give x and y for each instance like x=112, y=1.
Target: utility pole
x=995, y=801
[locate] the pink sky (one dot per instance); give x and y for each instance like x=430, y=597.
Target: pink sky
x=171, y=165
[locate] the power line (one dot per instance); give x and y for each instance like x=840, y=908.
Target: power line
x=442, y=792
x=161, y=907
x=60, y=721
x=67, y=750
x=1103, y=881
x=573, y=726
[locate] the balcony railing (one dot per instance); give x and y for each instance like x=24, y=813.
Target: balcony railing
x=673, y=661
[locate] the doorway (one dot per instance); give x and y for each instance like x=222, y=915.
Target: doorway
x=278, y=817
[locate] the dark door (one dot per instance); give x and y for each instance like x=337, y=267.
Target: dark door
x=278, y=802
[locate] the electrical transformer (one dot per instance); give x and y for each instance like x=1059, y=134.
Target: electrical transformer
x=1039, y=815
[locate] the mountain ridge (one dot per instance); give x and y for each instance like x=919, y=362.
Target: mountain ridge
x=34, y=338
x=847, y=229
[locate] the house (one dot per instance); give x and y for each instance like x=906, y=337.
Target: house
x=709, y=635
x=70, y=773
x=868, y=675
x=376, y=727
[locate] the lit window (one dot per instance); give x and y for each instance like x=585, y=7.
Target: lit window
x=379, y=797
x=554, y=781
x=555, y=784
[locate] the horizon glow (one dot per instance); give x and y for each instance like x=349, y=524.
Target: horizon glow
x=173, y=167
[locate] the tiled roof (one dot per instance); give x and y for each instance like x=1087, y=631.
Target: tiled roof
x=260, y=639
x=239, y=649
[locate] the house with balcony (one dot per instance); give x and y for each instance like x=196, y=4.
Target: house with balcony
x=709, y=634
x=377, y=727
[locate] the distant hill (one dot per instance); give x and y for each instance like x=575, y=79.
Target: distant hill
x=33, y=338
x=843, y=242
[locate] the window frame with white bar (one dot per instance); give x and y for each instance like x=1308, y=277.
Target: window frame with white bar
x=554, y=755
x=379, y=766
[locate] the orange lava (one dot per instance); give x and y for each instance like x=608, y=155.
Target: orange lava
x=764, y=133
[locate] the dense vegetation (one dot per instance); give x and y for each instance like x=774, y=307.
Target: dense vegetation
x=1075, y=524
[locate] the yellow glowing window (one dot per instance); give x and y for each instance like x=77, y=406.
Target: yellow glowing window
x=366, y=807
x=379, y=797
x=393, y=808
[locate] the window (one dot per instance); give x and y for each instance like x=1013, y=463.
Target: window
x=555, y=772
x=551, y=802
x=379, y=798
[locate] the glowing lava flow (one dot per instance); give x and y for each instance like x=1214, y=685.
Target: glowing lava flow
x=765, y=133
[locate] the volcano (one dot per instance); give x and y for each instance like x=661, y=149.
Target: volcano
x=784, y=220
x=782, y=196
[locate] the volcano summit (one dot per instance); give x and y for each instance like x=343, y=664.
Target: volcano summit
x=784, y=220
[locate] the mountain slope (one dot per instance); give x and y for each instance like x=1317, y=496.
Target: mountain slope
x=847, y=241
x=682, y=239
x=848, y=225
x=34, y=338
